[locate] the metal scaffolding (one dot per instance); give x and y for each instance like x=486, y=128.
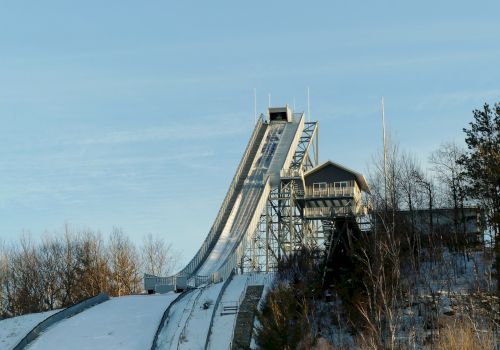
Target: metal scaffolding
x=283, y=229
x=287, y=224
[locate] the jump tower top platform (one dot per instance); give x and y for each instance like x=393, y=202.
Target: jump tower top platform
x=279, y=200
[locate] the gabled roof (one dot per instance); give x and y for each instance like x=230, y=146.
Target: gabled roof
x=360, y=179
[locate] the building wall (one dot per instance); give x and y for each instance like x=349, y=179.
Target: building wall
x=443, y=219
x=329, y=174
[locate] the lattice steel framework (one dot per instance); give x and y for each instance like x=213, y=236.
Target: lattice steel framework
x=283, y=229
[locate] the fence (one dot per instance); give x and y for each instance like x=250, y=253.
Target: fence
x=327, y=212
x=234, y=258
x=295, y=142
x=150, y=281
x=212, y=236
x=292, y=173
x=331, y=191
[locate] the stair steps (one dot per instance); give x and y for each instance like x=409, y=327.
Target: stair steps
x=245, y=318
x=229, y=308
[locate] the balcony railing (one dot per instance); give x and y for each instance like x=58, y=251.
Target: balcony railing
x=326, y=212
x=291, y=173
x=330, y=191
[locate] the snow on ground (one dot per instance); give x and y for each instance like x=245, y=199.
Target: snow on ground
x=189, y=319
x=12, y=330
x=130, y=322
x=194, y=334
x=222, y=329
x=171, y=332
x=125, y=323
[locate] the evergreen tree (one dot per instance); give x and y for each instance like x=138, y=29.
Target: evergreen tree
x=482, y=168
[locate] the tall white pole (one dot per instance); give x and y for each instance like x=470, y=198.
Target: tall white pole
x=269, y=99
x=308, y=106
x=255, y=105
x=385, y=149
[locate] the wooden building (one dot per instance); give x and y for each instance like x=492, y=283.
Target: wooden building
x=331, y=189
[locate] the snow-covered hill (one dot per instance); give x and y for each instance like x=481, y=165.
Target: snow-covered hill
x=12, y=330
x=131, y=322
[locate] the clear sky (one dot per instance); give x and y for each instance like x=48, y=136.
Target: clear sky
x=135, y=114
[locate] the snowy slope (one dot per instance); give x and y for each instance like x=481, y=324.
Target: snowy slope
x=12, y=330
x=130, y=322
x=188, y=322
x=195, y=330
x=127, y=323
x=177, y=317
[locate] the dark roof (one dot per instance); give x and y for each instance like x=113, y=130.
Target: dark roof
x=360, y=179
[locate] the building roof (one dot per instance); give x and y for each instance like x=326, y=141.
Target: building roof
x=360, y=179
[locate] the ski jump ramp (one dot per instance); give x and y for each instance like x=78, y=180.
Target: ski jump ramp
x=271, y=148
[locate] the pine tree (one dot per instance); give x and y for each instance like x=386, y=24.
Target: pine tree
x=482, y=169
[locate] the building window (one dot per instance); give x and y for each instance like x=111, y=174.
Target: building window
x=341, y=184
x=319, y=188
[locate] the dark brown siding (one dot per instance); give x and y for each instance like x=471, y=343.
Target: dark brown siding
x=329, y=174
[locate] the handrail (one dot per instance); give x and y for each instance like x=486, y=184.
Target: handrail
x=292, y=172
x=216, y=306
x=327, y=212
x=211, y=238
x=330, y=191
x=315, y=130
x=295, y=143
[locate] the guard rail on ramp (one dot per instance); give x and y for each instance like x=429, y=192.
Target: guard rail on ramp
x=270, y=150
x=234, y=189
x=61, y=315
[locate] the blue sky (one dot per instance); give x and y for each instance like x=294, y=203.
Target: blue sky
x=135, y=114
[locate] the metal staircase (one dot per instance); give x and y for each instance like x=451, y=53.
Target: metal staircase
x=244, y=320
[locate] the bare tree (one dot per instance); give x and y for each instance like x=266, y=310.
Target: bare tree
x=50, y=255
x=411, y=200
x=158, y=257
x=26, y=292
x=68, y=267
x=124, y=264
x=380, y=252
x=94, y=273
x=445, y=165
x=73, y=265
x=4, y=268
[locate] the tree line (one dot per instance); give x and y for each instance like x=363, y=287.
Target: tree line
x=64, y=268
